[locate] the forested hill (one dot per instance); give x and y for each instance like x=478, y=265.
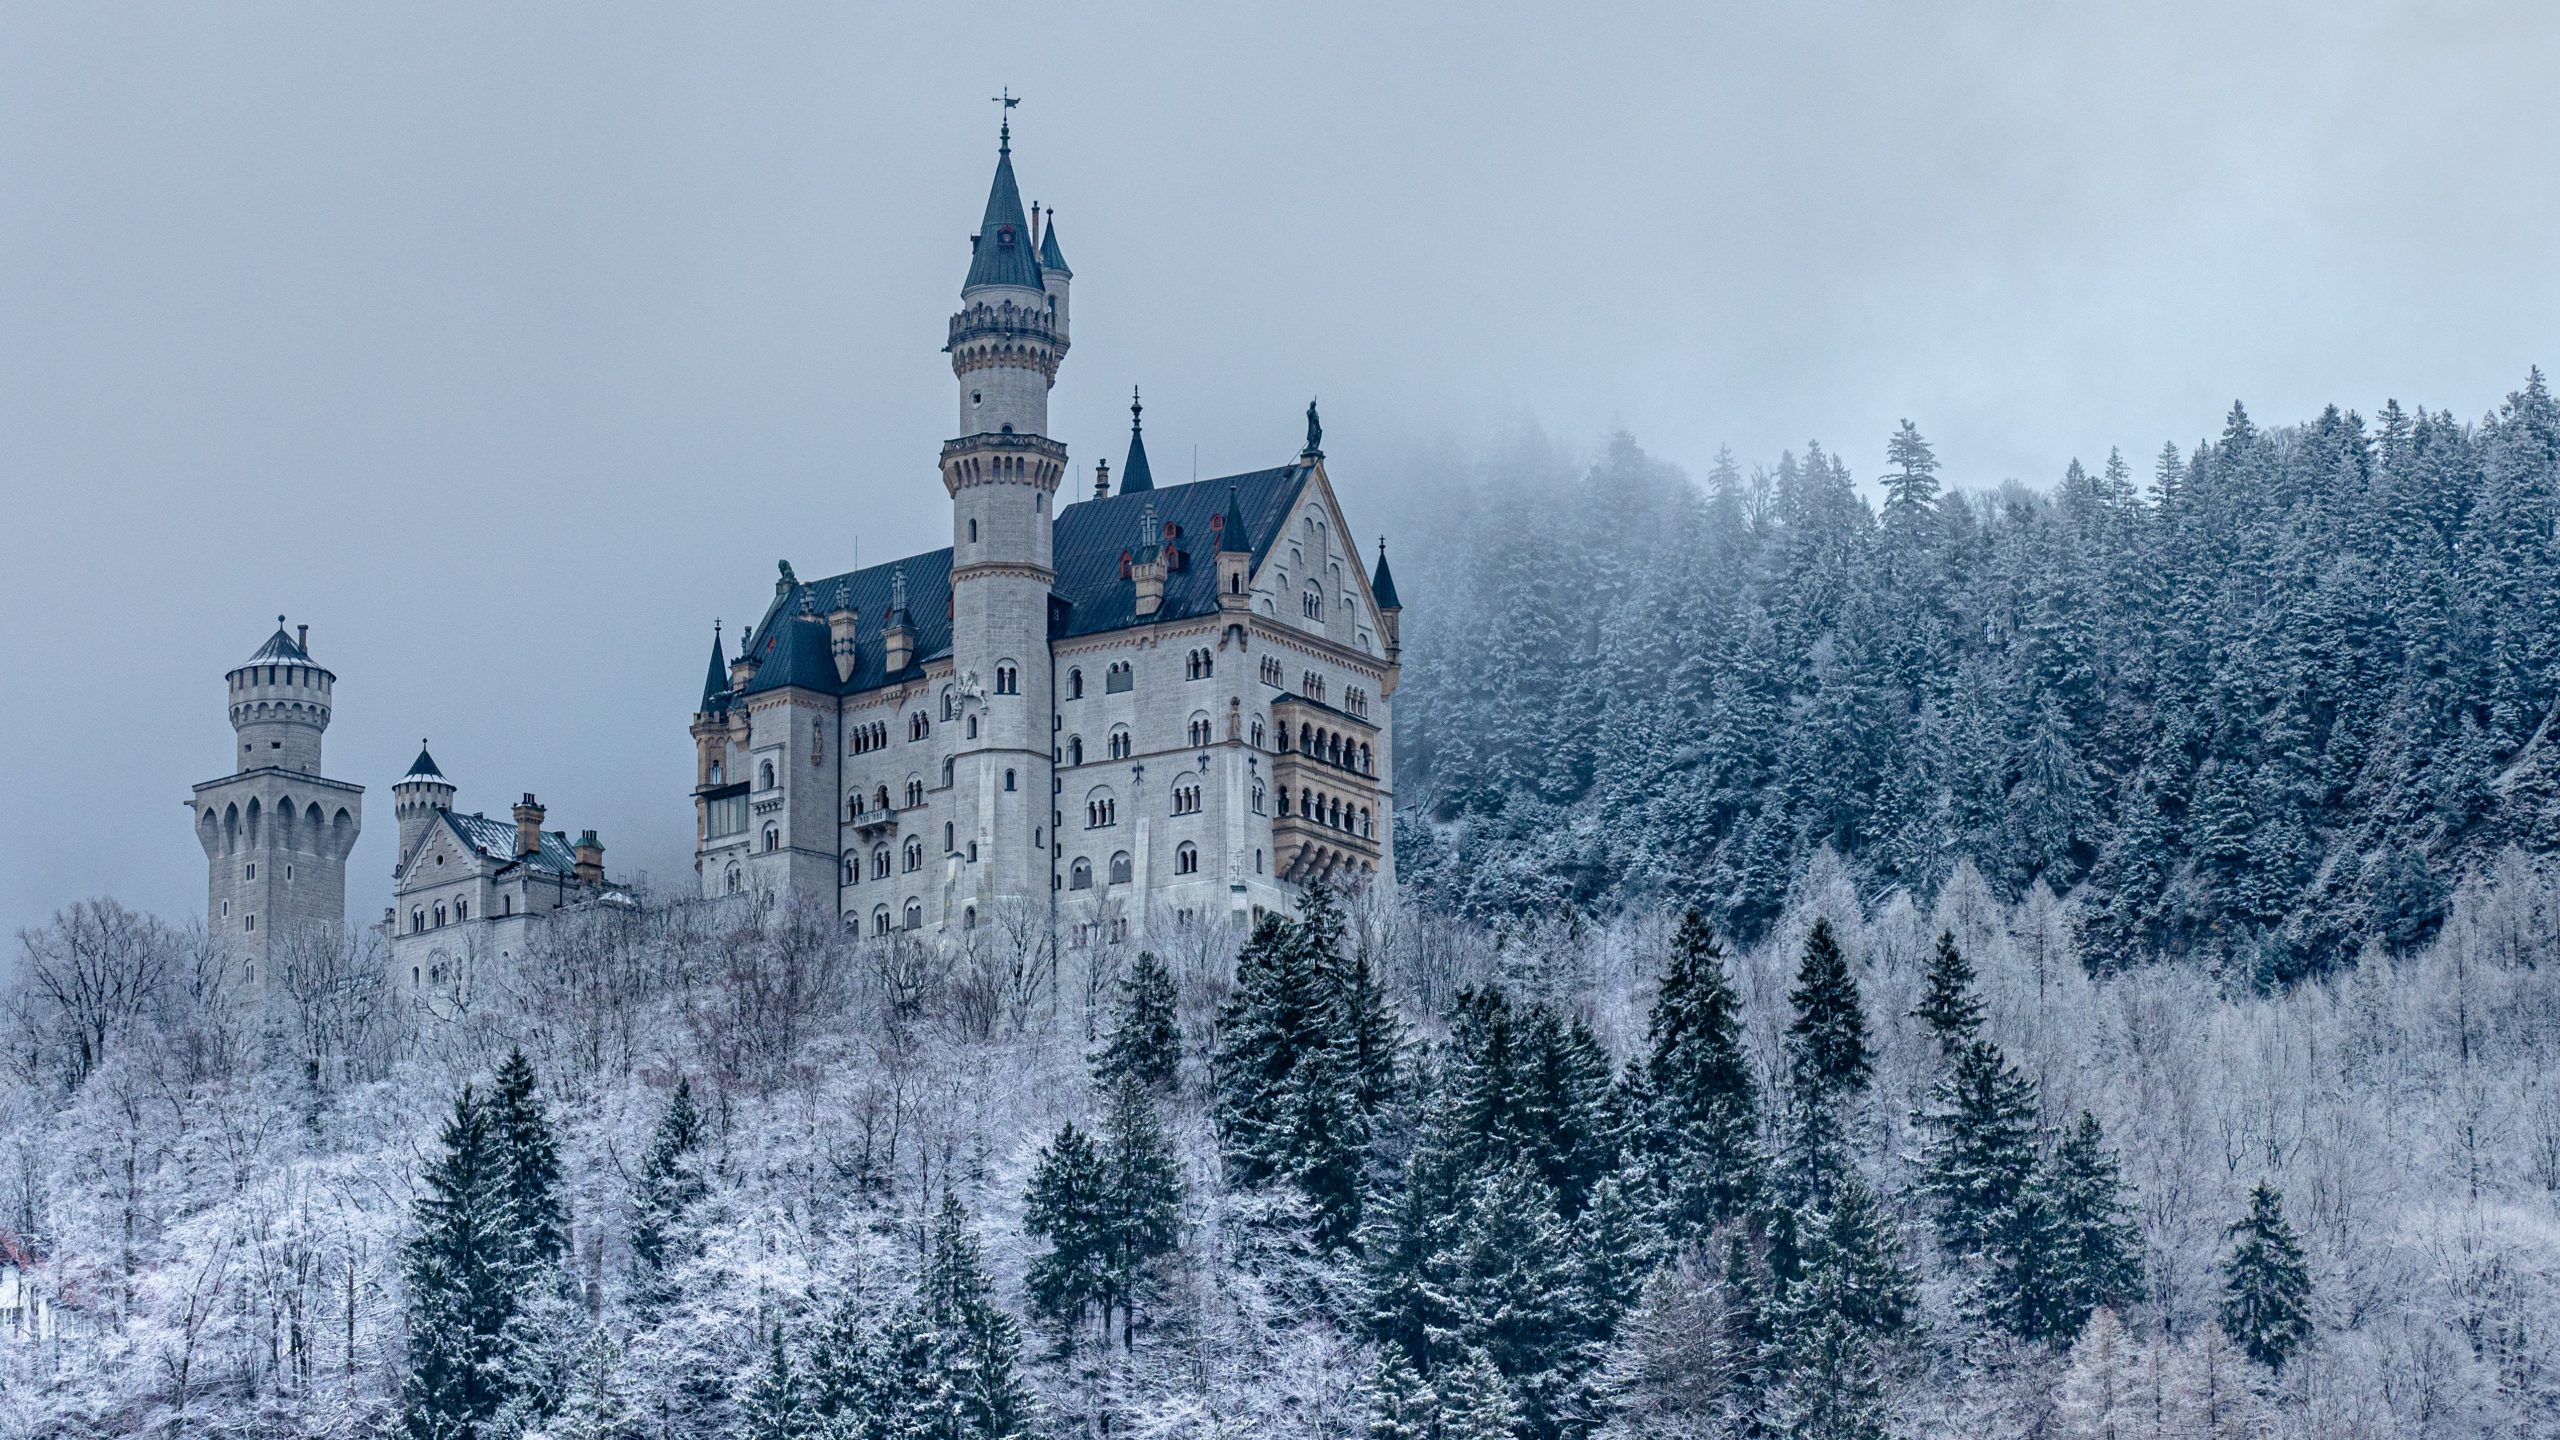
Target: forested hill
x=2257, y=701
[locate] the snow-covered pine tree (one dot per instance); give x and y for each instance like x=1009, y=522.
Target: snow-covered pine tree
x=598, y=1403
x=2266, y=1286
x=1475, y=1403
x=1400, y=1406
x=1978, y=1146
x=776, y=1403
x=1704, y=1129
x=1146, y=1033
x=1064, y=1204
x=1948, y=1005
x=2099, y=1247
x=1854, y=1266
x=1141, y=1196
x=977, y=1344
x=670, y=1185
x=1832, y=1388
x=463, y=1277
x=1829, y=1061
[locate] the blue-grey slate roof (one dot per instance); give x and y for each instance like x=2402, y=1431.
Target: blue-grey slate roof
x=1090, y=596
x=1000, y=253
x=279, y=649
x=1051, y=257
x=497, y=840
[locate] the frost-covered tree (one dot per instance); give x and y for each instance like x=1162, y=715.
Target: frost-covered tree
x=463, y=1275
x=1705, y=1120
x=2266, y=1285
x=776, y=1404
x=1146, y=1034
x=2098, y=1259
x=670, y=1186
x=1948, y=1006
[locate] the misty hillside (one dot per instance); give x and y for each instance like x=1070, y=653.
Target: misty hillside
x=2260, y=700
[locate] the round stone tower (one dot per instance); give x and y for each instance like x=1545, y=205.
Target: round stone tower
x=276, y=832
x=417, y=798
x=1002, y=473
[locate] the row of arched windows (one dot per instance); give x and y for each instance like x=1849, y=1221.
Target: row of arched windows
x=914, y=917
x=1341, y=751
x=1186, y=798
x=863, y=739
x=1333, y=812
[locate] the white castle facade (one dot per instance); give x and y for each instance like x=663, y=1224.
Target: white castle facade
x=1106, y=714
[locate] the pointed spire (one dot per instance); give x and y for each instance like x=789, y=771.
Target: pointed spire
x=423, y=768
x=1232, y=537
x=1051, y=257
x=1382, y=581
x=1135, y=476
x=715, y=684
x=1000, y=253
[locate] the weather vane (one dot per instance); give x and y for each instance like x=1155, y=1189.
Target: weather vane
x=1006, y=98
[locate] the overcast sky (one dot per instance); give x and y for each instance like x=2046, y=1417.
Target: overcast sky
x=508, y=345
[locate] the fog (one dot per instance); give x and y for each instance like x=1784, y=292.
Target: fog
x=508, y=348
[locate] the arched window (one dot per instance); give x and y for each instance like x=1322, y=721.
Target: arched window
x=1186, y=859
x=973, y=852
x=880, y=797
x=880, y=863
x=1075, y=684
x=915, y=914
x=973, y=531
x=1008, y=679
x=715, y=772
x=852, y=868
x=1118, y=678
x=946, y=773
x=417, y=917
x=1101, y=810
x=730, y=882
x=949, y=833
x=1367, y=766
x=772, y=838
x=915, y=792
x=973, y=727
x=764, y=775
x=1008, y=780
x=1120, y=746
x=915, y=853
x=969, y=918
x=1120, y=867
x=1075, y=749
x=1200, y=733
x=918, y=726
x=1257, y=797
x=1311, y=603
x=1186, y=798
x=1080, y=875
x=439, y=915
x=1271, y=674
x=950, y=703
x=880, y=920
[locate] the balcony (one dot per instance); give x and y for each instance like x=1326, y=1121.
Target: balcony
x=873, y=824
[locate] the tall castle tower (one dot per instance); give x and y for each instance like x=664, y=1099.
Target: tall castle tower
x=1002, y=473
x=276, y=834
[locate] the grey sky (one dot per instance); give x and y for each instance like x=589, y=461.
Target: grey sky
x=508, y=345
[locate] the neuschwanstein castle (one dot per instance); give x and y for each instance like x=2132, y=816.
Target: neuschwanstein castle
x=1143, y=707
x=1151, y=706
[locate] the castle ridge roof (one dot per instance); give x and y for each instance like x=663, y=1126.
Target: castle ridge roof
x=496, y=839
x=1090, y=597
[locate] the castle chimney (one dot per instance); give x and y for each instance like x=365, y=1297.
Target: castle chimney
x=743, y=669
x=302, y=638
x=898, y=638
x=1101, y=479
x=590, y=856
x=841, y=620
x=1148, y=566
x=528, y=825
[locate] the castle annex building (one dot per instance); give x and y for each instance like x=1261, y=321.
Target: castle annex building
x=276, y=833
x=468, y=887
x=1142, y=707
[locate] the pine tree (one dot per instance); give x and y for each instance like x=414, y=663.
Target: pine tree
x=2266, y=1286
x=1142, y=1203
x=1400, y=1406
x=1979, y=1146
x=462, y=1278
x=1373, y=1033
x=2099, y=1259
x=1827, y=1048
x=599, y=1405
x=1146, y=1036
x=978, y=1345
x=1828, y=1062
x=1948, y=1006
x=1855, y=1269
x=1513, y=1293
x=1065, y=1205
x=1474, y=1401
x=1833, y=1390
x=776, y=1403
x=1705, y=1120
x=529, y=1159
x=670, y=1186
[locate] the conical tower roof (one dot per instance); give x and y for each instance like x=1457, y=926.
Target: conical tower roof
x=1051, y=257
x=423, y=768
x=716, y=683
x=1135, y=476
x=1000, y=253
x=1382, y=581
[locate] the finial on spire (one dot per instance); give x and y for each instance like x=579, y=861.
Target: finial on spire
x=1004, y=131
x=279, y=622
x=1135, y=410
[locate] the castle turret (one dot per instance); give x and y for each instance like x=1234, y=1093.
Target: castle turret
x=416, y=798
x=1235, y=559
x=1002, y=473
x=528, y=818
x=276, y=833
x=1382, y=583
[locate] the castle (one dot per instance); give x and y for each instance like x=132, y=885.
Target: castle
x=1157, y=706
x=1154, y=706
